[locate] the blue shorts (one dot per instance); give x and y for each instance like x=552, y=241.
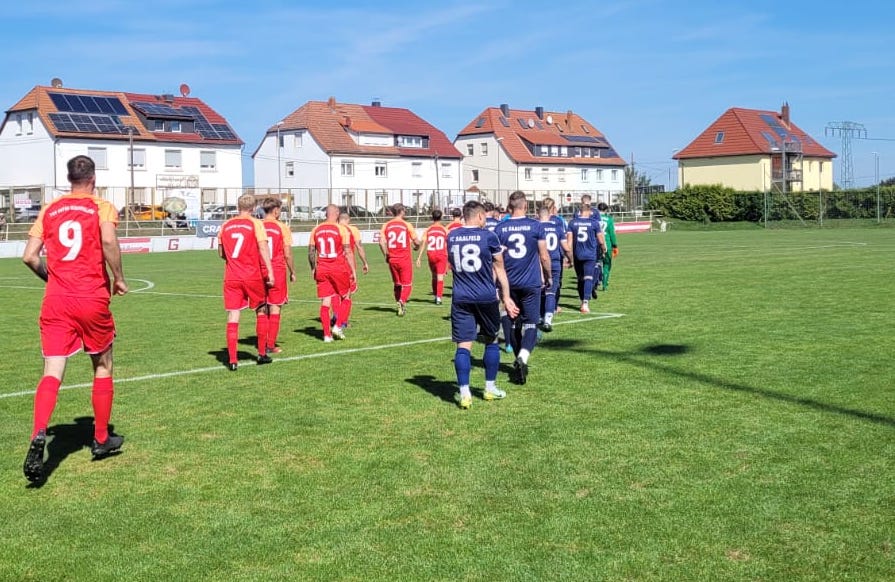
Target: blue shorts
x=470, y=319
x=584, y=269
x=529, y=303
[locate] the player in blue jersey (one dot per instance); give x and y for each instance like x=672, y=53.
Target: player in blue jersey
x=558, y=240
x=490, y=220
x=476, y=259
x=527, y=265
x=588, y=244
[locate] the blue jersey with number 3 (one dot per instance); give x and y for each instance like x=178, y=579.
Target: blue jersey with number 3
x=471, y=252
x=520, y=237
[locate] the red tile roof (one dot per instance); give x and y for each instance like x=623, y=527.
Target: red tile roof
x=39, y=99
x=537, y=131
x=331, y=125
x=750, y=132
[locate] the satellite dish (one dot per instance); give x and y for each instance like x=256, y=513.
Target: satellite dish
x=549, y=119
x=531, y=122
x=56, y=82
x=174, y=205
x=185, y=90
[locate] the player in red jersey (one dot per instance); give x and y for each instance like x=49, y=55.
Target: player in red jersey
x=436, y=252
x=332, y=267
x=77, y=231
x=456, y=219
x=279, y=243
x=242, y=243
x=396, y=238
x=358, y=248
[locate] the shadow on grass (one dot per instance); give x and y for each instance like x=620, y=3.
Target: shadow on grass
x=439, y=388
x=639, y=358
x=252, y=340
x=64, y=440
x=311, y=331
x=223, y=356
x=381, y=309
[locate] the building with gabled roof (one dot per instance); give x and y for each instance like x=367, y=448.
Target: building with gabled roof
x=175, y=141
x=756, y=150
x=352, y=154
x=536, y=150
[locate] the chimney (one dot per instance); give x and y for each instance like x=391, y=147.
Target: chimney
x=505, y=110
x=376, y=103
x=332, y=104
x=784, y=113
x=569, y=119
x=539, y=111
x=168, y=98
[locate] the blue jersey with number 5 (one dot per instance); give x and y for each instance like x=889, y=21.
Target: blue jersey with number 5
x=520, y=237
x=584, y=237
x=471, y=252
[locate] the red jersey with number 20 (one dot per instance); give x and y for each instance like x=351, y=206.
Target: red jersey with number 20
x=239, y=238
x=436, y=242
x=399, y=236
x=70, y=230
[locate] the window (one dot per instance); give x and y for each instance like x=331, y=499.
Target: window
x=281, y=138
x=18, y=124
x=29, y=123
x=585, y=128
x=207, y=161
x=470, y=149
x=614, y=175
x=545, y=177
x=139, y=159
x=584, y=175
x=484, y=148
x=173, y=160
x=562, y=174
x=527, y=173
x=719, y=137
x=447, y=170
x=417, y=169
x=299, y=139
x=380, y=170
x=175, y=126
x=410, y=141
x=158, y=125
x=564, y=151
x=347, y=168
x=599, y=175
x=475, y=175
x=545, y=151
x=98, y=155
x=577, y=152
x=290, y=169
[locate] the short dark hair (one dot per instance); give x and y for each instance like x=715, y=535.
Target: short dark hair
x=457, y=213
x=268, y=204
x=436, y=215
x=603, y=207
x=517, y=200
x=470, y=209
x=489, y=207
x=397, y=209
x=81, y=170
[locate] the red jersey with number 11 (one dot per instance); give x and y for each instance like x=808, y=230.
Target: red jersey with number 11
x=330, y=239
x=70, y=230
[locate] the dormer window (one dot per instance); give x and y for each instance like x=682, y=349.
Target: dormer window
x=176, y=127
x=158, y=125
x=410, y=141
x=719, y=137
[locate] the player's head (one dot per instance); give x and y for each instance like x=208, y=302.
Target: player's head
x=271, y=206
x=344, y=217
x=550, y=205
x=398, y=210
x=585, y=201
x=456, y=213
x=436, y=215
x=245, y=203
x=489, y=208
x=543, y=213
x=81, y=172
x=518, y=203
x=473, y=213
x=332, y=213
x=603, y=207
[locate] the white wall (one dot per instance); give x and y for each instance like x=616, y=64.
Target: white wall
x=26, y=159
x=311, y=164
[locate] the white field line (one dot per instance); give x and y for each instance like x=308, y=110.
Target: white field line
x=220, y=368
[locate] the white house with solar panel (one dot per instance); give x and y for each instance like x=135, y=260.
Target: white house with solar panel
x=540, y=152
x=146, y=147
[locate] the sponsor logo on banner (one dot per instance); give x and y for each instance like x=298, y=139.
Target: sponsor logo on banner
x=208, y=228
x=135, y=245
x=632, y=226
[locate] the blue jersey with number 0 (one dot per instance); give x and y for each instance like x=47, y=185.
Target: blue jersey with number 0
x=490, y=223
x=520, y=237
x=554, y=234
x=471, y=252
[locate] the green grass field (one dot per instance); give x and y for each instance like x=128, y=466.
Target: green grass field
x=736, y=423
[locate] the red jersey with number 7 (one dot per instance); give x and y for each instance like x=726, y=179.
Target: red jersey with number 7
x=239, y=238
x=398, y=235
x=70, y=230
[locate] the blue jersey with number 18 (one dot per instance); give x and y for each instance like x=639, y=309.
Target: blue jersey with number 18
x=471, y=252
x=520, y=237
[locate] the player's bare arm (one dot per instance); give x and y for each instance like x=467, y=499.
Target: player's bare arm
x=32, y=259
x=363, y=256
x=349, y=254
x=265, y=256
x=312, y=259
x=501, y=275
x=544, y=256
x=112, y=255
x=290, y=262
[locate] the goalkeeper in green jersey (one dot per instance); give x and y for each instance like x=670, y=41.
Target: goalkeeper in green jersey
x=607, y=224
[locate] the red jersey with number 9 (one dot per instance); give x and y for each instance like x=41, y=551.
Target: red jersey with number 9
x=70, y=229
x=330, y=239
x=239, y=237
x=399, y=236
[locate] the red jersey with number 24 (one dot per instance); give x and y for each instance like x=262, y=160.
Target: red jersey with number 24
x=399, y=236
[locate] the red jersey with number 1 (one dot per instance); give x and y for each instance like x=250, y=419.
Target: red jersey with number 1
x=70, y=230
x=279, y=236
x=398, y=235
x=239, y=237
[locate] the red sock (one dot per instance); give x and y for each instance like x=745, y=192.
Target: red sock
x=232, y=338
x=346, y=306
x=324, y=319
x=103, y=392
x=274, y=330
x=342, y=312
x=262, y=325
x=45, y=402
x=439, y=288
x=405, y=293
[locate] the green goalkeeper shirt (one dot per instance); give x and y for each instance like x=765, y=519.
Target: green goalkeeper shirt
x=607, y=223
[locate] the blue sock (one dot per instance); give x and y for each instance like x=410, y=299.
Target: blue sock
x=529, y=337
x=492, y=361
x=462, y=364
x=507, y=325
x=549, y=302
x=588, y=288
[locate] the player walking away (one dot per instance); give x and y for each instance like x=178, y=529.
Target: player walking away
x=395, y=240
x=242, y=243
x=527, y=264
x=608, y=226
x=490, y=216
x=556, y=238
x=456, y=219
x=436, y=252
x=476, y=261
x=279, y=243
x=587, y=244
x=77, y=231
x=332, y=267
x=358, y=249
x=563, y=226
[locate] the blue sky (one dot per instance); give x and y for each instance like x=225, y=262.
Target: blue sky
x=650, y=74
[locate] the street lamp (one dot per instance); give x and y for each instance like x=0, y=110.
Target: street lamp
x=674, y=151
x=878, y=213
x=279, y=168
x=500, y=139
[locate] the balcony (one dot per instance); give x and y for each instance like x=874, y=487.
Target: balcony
x=791, y=175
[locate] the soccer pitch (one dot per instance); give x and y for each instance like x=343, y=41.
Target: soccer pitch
x=726, y=412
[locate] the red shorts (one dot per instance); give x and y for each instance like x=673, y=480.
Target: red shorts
x=438, y=264
x=69, y=323
x=332, y=282
x=402, y=272
x=279, y=293
x=241, y=294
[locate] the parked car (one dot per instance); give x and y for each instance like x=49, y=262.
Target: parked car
x=319, y=213
x=221, y=212
x=27, y=214
x=355, y=211
x=301, y=213
x=142, y=212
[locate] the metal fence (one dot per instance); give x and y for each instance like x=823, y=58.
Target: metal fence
x=816, y=208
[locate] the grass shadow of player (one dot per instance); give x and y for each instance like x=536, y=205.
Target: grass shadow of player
x=64, y=440
x=478, y=363
x=252, y=340
x=380, y=308
x=223, y=356
x=312, y=331
x=439, y=388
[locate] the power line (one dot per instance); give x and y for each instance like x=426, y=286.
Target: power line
x=847, y=130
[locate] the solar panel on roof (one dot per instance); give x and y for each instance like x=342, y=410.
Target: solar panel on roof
x=480, y=122
x=87, y=104
x=522, y=123
x=771, y=141
x=223, y=130
x=582, y=138
x=87, y=123
x=504, y=122
x=538, y=124
x=161, y=110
